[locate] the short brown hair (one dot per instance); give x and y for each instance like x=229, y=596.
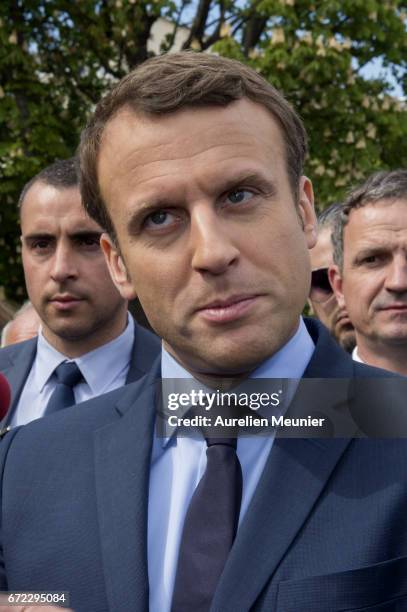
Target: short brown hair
x=62, y=174
x=168, y=83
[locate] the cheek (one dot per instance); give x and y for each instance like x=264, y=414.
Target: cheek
x=37, y=289
x=278, y=248
x=99, y=271
x=318, y=310
x=156, y=276
x=27, y=266
x=98, y=278
x=329, y=307
x=158, y=291
x=34, y=275
x=360, y=290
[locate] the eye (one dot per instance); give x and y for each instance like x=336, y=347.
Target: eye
x=40, y=245
x=239, y=196
x=374, y=259
x=159, y=219
x=89, y=243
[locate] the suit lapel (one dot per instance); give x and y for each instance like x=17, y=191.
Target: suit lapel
x=17, y=373
x=294, y=477
x=122, y=467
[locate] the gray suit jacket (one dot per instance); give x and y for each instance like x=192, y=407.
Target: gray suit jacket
x=16, y=361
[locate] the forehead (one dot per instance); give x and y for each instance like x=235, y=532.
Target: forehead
x=321, y=254
x=138, y=150
x=382, y=223
x=45, y=207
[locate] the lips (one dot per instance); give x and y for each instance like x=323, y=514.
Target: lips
x=343, y=319
x=65, y=301
x=229, y=309
x=394, y=308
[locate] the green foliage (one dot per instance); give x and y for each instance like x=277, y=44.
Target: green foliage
x=56, y=60
x=58, y=57
x=315, y=52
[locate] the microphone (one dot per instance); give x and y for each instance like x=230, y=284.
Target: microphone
x=5, y=396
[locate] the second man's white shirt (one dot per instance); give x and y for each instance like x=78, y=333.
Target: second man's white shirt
x=103, y=370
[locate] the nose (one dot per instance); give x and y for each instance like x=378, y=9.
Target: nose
x=213, y=248
x=396, y=278
x=63, y=264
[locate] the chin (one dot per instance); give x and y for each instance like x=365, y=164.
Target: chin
x=347, y=341
x=235, y=361
x=395, y=337
x=69, y=332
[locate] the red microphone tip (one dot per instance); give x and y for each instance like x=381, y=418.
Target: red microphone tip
x=5, y=396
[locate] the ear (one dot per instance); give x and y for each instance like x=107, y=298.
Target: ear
x=117, y=268
x=335, y=278
x=307, y=212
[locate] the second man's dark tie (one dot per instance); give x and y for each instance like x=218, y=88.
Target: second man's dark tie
x=209, y=528
x=68, y=376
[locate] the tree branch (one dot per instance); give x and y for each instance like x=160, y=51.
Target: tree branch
x=199, y=23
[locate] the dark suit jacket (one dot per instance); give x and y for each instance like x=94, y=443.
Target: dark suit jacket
x=325, y=530
x=16, y=361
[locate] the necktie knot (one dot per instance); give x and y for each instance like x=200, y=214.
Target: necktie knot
x=68, y=374
x=232, y=442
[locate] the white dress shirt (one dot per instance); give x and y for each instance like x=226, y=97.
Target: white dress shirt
x=103, y=370
x=178, y=464
x=355, y=355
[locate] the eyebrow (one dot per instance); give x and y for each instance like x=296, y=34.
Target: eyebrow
x=367, y=251
x=373, y=248
x=73, y=236
x=237, y=180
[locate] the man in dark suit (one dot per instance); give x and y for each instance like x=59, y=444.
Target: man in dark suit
x=84, y=318
x=194, y=165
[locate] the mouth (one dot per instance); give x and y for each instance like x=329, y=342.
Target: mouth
x=229, y=309
x=395, y=308
x=65, y=301
x=343, y=320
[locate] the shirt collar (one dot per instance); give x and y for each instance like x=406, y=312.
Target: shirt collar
x=47, y=359
x=355, y=355
x=99, y=367
x=289, y=362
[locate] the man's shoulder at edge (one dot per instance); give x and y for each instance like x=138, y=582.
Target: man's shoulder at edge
x=7, y=353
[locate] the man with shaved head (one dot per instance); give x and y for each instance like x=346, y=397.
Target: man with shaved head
x=88, y=344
